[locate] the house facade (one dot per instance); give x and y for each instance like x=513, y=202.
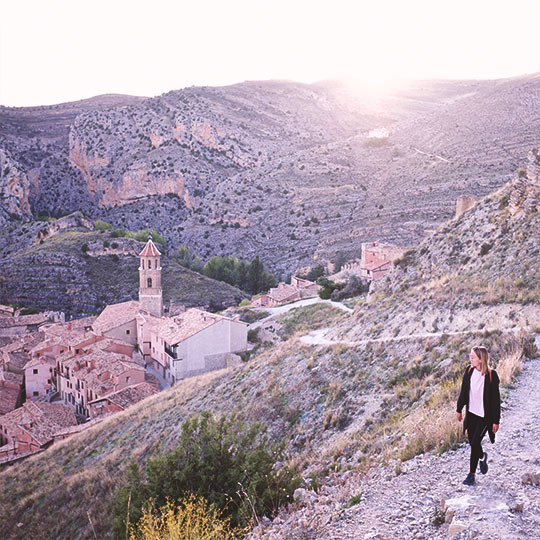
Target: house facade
x=195, y=342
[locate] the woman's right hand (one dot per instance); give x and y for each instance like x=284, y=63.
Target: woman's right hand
x=459, y=417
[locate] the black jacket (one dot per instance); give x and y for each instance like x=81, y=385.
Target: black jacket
x=492, y=399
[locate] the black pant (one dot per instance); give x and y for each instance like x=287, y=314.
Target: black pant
x=476, y=429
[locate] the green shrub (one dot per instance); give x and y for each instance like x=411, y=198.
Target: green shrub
x=229, y=463
x=101, y=225
x=119, y=233
x=84, y=248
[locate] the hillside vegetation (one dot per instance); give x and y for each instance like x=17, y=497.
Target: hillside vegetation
x=80, y=272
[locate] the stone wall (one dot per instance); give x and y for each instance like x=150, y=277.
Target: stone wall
x=464, y=203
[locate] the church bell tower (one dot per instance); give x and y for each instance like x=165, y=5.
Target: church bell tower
x=150, y=292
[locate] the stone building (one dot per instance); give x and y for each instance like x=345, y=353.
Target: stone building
x=377, y=259
x=283, y=293
x=195, y=342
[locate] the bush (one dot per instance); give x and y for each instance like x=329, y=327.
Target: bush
x=100, y=225
x=192, y=517
x=84, y=248
x=119, y=233
x=229, y=463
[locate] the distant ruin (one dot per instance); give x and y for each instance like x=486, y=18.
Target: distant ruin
x=463, y=203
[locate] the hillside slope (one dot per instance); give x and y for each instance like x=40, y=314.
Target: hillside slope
x=79, y=272
x=354, y=405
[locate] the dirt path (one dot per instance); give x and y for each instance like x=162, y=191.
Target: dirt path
x=317, y=337
x=407, y=505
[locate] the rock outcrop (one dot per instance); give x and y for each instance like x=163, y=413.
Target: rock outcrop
x=525, y=195
x=14, y=190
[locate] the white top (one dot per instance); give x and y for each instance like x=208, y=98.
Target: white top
x=476, y=393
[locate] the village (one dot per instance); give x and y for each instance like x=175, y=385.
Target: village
x=57, y=377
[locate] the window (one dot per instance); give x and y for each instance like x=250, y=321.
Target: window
x=48, y=381
x=142, y=264
x=36, y=393
x=128, y=379
x=35, y=371
x=149, y=283
x=127, y=332
x=149, y=263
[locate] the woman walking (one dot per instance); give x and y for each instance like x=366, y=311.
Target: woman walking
x=480, y=395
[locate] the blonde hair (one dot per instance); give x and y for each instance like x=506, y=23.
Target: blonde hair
x=483, y=354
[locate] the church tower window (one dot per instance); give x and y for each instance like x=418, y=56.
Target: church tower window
x=149, y=282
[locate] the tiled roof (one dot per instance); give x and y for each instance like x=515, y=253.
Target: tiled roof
x=23, y=342
x=8, y=400
x=116, y=315
x=11, y=378
x=176, y=329
x=17, y=360
x=130, y=395
x=150, y=250
x=6, y=310
x=305, y=283
x=97, y=367
x=23, y=320
x=39, y=419
x=282, y=293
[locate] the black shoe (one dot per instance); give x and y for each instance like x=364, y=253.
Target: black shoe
x=469, y=481
x=483, y=464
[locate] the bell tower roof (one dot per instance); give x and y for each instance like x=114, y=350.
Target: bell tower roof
x=150, y=249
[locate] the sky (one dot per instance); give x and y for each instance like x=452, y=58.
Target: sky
x=52, y=51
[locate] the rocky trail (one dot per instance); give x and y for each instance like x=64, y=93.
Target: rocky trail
x=318, y=337
x=425, y=497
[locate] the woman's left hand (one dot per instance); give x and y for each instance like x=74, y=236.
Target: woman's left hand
x=495, y=428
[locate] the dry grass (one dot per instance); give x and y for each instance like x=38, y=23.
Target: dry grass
x=516, y=350
x=190, y=519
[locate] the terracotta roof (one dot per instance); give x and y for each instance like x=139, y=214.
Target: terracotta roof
x=305, y=283
x=116, y=315
x=130, y=395
x=97, y=367
x=23, y=320
x=24, y=342
x=8, y=400
x=6, y=310
x=17, y=360
x=282, y=293
x=39, y=419
x=150, y=250
x=176, y=329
